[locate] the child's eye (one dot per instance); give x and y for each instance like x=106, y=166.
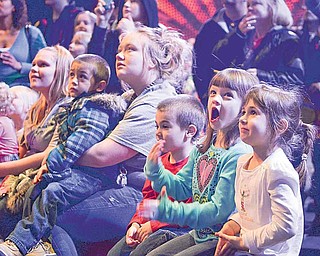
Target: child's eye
x=243, y=112
x=71, y=74
x=253, y=112
x=212, y=92
x=228, y=95
x=83, y=76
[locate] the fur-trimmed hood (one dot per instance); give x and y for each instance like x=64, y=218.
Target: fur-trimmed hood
x=116, y=103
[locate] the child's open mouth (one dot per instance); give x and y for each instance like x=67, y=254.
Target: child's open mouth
x=215, y=114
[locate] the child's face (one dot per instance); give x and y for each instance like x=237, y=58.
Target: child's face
x=77, y=46
x=83, y=23
x=253, y=126
x=80, y=79
x=130, y=64
x=169, y=131
x=43, y=70
x=224, y=107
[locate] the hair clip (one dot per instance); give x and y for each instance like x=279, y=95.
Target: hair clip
x=304, y=157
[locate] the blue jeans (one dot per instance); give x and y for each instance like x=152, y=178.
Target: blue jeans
x=40, y=215
x=185, y=246
x=156, y=239
x=103, y=216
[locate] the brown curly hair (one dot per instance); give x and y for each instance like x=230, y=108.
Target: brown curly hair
x=19, y=15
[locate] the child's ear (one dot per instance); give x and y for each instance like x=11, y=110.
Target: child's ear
x=101, y=86
x=191, y=131
x=283, y=126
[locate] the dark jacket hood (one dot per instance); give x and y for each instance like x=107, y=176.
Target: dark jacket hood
x=151, y=8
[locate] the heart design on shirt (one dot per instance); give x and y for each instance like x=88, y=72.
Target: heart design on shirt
x=205, y=171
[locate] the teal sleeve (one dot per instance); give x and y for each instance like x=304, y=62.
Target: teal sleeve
x=178, y=186
x=218, y=208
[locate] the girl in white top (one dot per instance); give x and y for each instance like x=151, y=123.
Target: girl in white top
x=269, y=218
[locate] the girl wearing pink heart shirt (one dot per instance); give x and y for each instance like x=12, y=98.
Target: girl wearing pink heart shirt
x=209, y=174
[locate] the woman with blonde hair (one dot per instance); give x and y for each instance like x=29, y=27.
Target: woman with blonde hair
x=49, y=77
x=265, y=45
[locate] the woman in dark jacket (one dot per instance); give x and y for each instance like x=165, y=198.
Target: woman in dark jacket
x=264, y=44
x=105, y=37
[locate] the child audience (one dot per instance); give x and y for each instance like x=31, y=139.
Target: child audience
x=86, y=121
x=8, y=137
x=269, y=216
x=22, y=100
x=85, y=21
x=209, y=174
x=179, y=120
x=79, y=43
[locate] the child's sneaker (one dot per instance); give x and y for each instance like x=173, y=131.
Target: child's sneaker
x=8, y=248
x=42, y=249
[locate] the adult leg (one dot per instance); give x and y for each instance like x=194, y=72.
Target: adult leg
x=103, y=216
x=62, y=242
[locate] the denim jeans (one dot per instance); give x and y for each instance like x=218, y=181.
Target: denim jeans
x=156, y=239
x=62, y=243
x=185, y=246
x=40, y=216
x=103, y=216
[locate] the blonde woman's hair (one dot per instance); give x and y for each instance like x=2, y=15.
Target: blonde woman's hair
x=280, y=104
x=281, y=14
x=240, y=81
x=58, y=88
x=167, y=50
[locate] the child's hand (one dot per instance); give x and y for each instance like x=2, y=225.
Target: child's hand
x=149, y=207
x=131, y=235
x=156, y=152
x=144, y=231
x=229, y=244
x=43, y=169
x=230, y=228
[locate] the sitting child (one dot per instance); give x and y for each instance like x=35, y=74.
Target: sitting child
x=79, y=43
x=8, y=137
x=269, y=217
x=179, y=121
x=60, y=183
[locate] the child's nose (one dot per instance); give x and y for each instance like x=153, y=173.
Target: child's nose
x=159, y=135
x=216, y=99
x=74, y=80
x=243, y=120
